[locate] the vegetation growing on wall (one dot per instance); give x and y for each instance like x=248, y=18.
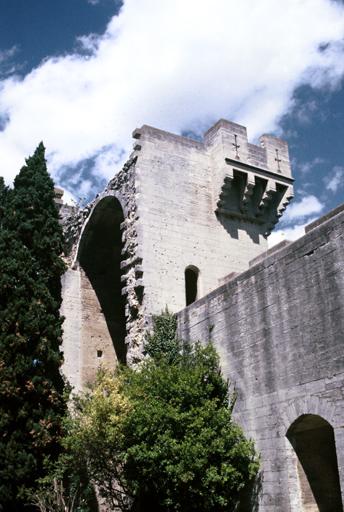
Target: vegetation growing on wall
x=31, y=388
x=161, y=437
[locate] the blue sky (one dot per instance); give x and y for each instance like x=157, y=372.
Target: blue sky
x=82, y=74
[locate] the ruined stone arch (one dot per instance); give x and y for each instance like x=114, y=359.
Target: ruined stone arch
x=99, y=254
x=104, y=196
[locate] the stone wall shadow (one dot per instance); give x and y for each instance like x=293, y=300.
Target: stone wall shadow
x=100, y=256
x=249, y=496
x=232, y=226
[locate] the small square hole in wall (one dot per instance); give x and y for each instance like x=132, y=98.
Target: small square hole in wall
x=99, y=353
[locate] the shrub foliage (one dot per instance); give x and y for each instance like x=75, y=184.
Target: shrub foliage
x=162, y=437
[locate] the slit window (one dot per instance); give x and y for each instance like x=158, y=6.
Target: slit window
x=191, y=284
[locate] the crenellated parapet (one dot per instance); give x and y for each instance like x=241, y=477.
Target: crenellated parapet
x=251, y=183
x=271, y=155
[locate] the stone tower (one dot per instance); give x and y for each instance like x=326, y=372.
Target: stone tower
x=170, y=226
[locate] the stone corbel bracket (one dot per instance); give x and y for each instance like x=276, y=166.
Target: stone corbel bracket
x=253, y=195
x=251, y=183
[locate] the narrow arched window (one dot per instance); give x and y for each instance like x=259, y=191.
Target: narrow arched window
x=191, y=284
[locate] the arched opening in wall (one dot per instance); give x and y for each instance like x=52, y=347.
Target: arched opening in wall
x=100, y=258
x=191, y=284
x=312, y=438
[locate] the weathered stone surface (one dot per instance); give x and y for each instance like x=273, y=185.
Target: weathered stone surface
x=97, y=341
x=279, y=330
x=169, y=193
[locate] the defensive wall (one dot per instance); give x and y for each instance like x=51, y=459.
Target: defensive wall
x=279, y=330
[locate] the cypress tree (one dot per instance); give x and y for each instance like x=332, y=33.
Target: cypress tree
x=3, y=199
x=32, y=214
x=32, y=403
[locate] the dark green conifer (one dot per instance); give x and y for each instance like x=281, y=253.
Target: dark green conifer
x=33, y=216
x=3, y=199
x=31, y=387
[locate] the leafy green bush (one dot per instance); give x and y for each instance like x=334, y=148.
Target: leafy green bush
x=161, y=438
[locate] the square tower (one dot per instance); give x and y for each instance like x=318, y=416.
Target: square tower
x=178, y=217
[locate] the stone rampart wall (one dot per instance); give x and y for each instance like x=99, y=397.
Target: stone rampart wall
x=279, y=331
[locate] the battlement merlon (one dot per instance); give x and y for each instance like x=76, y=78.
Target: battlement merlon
x=271, y=155
x=251, y=183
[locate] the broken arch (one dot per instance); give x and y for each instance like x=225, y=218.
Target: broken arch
x=99, y=255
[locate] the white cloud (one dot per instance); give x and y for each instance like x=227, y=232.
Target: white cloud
x=306, y=167
x=291, y=233
x=69, y=198
x=337, y=180
x=308, y=205
x=175, y=65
